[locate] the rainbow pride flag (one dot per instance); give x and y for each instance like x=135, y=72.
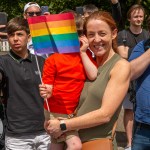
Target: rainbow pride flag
x=54, y=33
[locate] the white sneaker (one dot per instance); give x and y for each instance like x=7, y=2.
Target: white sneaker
x=127, y=148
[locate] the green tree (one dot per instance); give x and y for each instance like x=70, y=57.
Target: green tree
x=15, y=7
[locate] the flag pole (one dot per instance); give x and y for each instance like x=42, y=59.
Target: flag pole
x=40, y=77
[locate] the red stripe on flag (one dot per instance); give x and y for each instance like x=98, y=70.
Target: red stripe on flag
x=58, y=17
x=37, y=19
x=48, y=18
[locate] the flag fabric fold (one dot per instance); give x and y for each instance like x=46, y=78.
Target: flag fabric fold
x=54, y=33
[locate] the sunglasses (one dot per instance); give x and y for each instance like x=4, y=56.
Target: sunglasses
x=31, y=14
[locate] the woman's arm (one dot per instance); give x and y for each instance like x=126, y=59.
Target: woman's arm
x=90, y=68
x=113, y=96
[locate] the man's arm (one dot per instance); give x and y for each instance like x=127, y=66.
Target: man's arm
x=140, y=64
x=116, y=11
x=139, y=60
x=122, y=44
x=123, y=51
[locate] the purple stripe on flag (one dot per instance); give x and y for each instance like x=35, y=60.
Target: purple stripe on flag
x=70, y=49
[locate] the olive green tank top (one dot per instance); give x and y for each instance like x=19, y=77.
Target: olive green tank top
x=91, y=98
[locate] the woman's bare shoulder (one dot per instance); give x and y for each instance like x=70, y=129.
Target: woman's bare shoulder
x=122, y=67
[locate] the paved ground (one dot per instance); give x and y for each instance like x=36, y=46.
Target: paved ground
x=120, y=133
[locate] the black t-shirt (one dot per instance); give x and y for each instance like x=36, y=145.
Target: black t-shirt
x=24, y=103
x=127, y=38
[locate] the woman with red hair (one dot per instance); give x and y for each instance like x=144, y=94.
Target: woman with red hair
x=101, y=99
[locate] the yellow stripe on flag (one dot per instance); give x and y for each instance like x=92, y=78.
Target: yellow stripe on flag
x=60, y=30
x=39, y=32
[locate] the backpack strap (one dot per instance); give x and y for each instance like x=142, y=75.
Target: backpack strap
x=114, y=130
x=124, y=37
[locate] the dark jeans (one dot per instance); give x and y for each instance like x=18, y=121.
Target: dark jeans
x=141, y=137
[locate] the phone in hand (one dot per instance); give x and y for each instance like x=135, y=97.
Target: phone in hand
x=79, y=10
x=44, y=9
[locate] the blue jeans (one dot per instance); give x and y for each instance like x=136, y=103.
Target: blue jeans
x=141, y=138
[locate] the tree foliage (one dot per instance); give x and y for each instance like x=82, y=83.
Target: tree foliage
x=15, y=7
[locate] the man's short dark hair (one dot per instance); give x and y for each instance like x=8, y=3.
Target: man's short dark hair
x=17, y=24
x=90, y=8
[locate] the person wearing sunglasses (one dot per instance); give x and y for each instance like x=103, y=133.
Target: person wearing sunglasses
x=32, y=9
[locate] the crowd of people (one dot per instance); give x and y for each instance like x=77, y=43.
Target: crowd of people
x=70, y=99
x=127, y=39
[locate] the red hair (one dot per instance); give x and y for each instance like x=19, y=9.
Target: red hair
x=106, y=17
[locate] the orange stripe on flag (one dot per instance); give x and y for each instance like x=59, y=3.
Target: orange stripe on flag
x=51, y=31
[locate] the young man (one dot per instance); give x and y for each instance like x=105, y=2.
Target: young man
x=19, y=71
x=127, y=39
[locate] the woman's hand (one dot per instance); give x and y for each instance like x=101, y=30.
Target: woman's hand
x=53, y=128
x=84, y=44
x=45, y=90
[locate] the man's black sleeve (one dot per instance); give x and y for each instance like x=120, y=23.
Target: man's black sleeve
x=117, y=15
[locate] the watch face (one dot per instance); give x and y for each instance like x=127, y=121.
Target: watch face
x=63, y=127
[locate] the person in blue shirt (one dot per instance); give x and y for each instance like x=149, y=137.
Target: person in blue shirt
x=140, y=70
